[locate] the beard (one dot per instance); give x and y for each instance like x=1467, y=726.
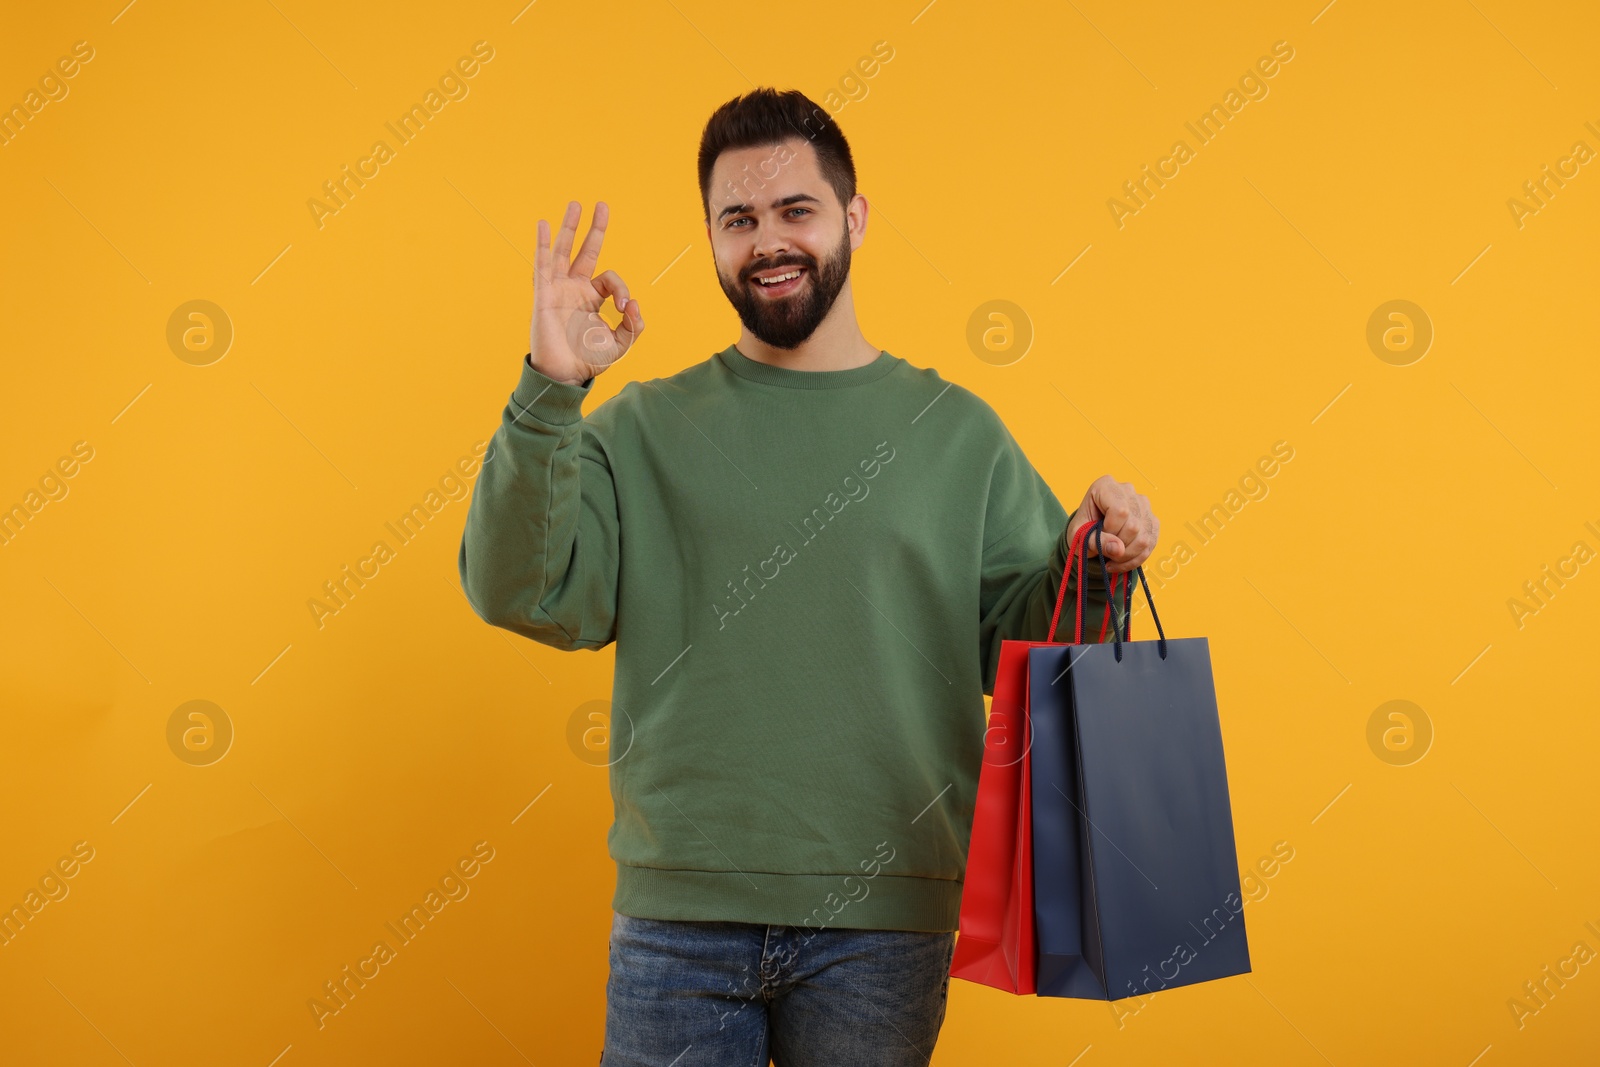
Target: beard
x=787, y=321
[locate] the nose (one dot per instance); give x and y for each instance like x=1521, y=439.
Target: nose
x=769, y=246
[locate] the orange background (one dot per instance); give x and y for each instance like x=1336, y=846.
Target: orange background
x=368, y=354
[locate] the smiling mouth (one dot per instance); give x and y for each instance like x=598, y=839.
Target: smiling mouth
x=794, y=276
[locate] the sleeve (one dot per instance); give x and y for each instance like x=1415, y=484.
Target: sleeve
x=1024, y=554
x=540, y=551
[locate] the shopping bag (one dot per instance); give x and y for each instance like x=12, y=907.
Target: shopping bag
x=995, y=946
x=1136, y=880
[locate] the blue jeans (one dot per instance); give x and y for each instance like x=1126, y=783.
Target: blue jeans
x=733, y=994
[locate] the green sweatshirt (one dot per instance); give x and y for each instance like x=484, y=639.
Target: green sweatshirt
x=807, y=575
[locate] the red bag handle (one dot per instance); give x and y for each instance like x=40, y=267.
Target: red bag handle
x=1077, y=548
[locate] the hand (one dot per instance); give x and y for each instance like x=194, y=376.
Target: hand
x=1131, y=528
x=568, y=340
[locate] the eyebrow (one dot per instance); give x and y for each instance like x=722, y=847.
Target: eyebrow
x=739, y=209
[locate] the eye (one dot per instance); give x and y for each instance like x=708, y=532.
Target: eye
x=734, y=224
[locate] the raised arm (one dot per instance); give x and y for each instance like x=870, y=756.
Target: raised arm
x=539, y=554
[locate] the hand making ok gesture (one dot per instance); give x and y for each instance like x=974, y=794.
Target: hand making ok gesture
x=568, y=340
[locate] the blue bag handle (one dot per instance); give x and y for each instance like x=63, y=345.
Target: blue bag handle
x=1117, y=632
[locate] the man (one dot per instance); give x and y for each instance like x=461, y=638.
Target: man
x=807, y=551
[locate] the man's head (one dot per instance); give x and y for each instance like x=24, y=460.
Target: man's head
x=779, y=190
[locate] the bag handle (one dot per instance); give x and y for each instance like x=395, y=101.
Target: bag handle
x=1111, y=600
x=1061, y=588
x=1078, y=548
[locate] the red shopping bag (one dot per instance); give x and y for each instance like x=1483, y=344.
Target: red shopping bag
x=995, y=945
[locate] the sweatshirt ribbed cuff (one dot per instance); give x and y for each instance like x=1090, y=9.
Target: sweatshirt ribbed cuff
x=540, y=397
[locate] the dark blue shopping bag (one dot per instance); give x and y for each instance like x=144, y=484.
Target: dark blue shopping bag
x=1135, y=874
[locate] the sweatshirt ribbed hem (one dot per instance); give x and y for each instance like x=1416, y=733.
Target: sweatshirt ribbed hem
x=817, y=901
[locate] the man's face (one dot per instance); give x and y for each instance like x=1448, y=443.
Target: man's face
x=771, y=212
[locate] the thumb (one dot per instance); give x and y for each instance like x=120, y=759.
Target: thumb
x=1109, y=545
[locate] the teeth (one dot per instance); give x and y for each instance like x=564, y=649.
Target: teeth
x=779, y=278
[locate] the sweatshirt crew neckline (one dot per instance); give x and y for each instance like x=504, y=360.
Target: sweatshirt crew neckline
x=788, y=377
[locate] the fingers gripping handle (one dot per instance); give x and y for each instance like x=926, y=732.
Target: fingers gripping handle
x=1118, y=637
x=1078, y=548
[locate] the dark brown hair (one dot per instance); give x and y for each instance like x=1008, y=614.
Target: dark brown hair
x=764, y=117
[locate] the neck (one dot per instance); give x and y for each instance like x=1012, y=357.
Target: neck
x=836, y=344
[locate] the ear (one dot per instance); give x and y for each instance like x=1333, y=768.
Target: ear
x=857, y=216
